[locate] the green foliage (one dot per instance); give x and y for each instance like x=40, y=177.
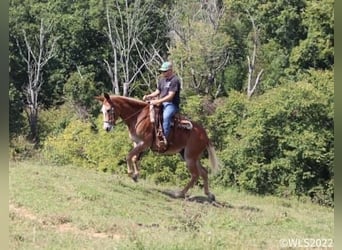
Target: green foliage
x=67, y=147
x=53, y=121
x=16, y=117
x=164, y=169
x=193, y=107
x=280, y=143
x=108, y=151
x=224, y=123
x=21, y=149
x=274, y=60
x=83, y=145
x=317, y=50
x=234, y=77
x=80, y=90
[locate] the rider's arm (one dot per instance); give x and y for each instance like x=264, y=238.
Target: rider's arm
x=167, y=98
x=153, y=94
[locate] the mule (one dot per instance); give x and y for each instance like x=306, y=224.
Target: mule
x=190, y=143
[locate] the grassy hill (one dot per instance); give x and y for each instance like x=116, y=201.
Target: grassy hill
x=75, y=208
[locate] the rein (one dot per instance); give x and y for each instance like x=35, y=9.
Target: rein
x=123, y=120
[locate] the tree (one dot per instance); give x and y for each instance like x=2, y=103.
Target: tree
x=198, y=46
x=253, y=81
x=127, y=26
x=36, y=54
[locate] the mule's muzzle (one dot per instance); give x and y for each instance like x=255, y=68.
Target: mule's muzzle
x=107, y=126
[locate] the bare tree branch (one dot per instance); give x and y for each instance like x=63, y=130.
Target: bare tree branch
x=125, y=30
x=112, y=70
x=38, y=53
x=251, y=86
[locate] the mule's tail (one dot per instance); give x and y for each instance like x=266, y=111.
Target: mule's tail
x=214, y=162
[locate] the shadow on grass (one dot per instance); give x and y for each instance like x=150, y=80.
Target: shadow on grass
x=133, y=187
x=205, y=200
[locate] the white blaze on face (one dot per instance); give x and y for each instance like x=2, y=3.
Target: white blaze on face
x=106, y=123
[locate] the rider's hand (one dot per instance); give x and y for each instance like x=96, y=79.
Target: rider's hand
x=145, y=97
x=154, y=102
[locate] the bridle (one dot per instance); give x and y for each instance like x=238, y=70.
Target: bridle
x=111, y=115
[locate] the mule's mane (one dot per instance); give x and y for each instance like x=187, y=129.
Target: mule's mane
x=127, y=100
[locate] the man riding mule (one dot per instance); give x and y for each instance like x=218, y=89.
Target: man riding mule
x=167, y=91
x=190, y=142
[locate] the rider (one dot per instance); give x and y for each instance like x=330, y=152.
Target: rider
x=168, y=90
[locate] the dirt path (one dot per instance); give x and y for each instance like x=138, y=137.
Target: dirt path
x=61, y=224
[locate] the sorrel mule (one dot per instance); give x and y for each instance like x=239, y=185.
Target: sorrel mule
x=190, y=143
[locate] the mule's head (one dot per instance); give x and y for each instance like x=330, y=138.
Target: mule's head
x=108, y=111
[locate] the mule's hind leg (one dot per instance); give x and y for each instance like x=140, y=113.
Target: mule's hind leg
x=204, y=174
x=191, y=164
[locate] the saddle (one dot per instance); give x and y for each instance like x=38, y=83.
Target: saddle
x=156, y=117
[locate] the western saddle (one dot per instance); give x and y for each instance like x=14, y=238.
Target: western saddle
x=156, y=117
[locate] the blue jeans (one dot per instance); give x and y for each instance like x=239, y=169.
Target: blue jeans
x=169, y=109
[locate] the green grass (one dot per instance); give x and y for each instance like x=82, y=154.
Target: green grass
x=75, y=208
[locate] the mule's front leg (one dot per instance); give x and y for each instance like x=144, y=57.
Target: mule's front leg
x=130, y=166
x=133, y=160
x=136, y=165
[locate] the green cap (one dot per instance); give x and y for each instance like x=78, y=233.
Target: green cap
x=166, y=66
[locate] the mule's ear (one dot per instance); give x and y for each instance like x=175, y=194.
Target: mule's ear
x=99, y=98
x=106, y=96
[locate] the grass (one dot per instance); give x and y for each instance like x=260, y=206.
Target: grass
x=75, y=208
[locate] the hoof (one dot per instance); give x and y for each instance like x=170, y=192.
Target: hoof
x=211, y=197
x=135, y=177
x=178, y=194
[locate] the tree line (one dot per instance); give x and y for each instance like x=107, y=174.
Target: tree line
x=258, y=74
